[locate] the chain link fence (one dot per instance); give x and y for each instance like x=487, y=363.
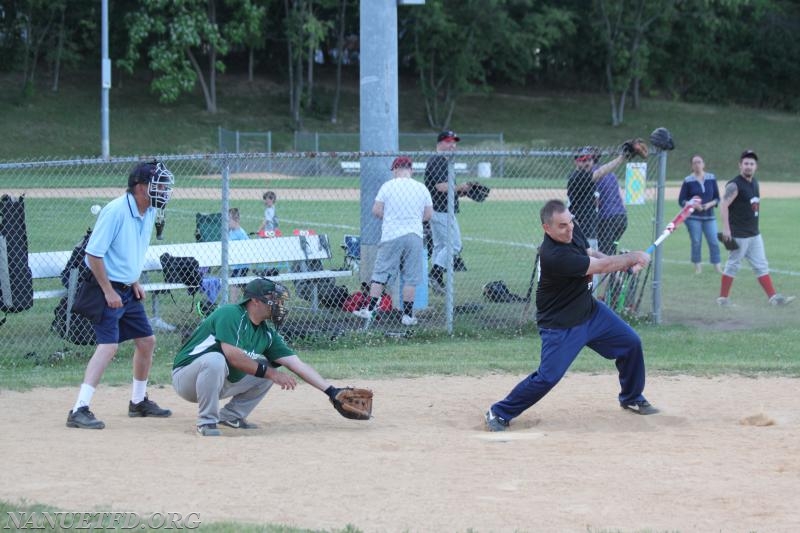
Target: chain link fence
x=318, y=200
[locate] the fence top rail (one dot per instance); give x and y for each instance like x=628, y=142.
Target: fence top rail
x=222, y=158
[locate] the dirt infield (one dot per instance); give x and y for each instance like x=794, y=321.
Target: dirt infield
x=575, y=462
x=768, y=190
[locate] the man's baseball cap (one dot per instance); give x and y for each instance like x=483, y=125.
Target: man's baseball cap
x=448, y=135
x=258, y=288
x=748, y=154
x=401, y=162
x=586, y=153
x=141, y=173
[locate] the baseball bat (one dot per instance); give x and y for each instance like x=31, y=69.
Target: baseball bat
x=687, y=210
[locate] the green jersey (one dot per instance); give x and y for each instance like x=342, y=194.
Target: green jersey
x=231, y=324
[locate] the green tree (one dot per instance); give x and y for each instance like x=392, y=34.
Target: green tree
x=457, y=46
x=247, y=27
x=624, y=26
x=175, y=33
x=37, y=20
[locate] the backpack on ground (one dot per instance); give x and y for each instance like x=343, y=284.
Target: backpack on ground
x=497, y=291
x=80, y=331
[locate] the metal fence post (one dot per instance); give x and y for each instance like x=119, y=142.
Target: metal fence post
x=225, y=205
x=659, y=222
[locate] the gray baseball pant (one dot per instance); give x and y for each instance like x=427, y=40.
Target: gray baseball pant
x=204, y=382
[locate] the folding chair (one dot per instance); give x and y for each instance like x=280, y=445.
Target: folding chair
x=352, y=252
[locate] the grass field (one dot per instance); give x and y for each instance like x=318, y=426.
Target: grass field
x=68, y=123
x=696, y=337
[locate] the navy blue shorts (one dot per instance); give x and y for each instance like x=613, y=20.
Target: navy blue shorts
x=127, y=322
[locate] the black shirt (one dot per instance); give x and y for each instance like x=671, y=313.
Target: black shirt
x=743, y=211
x=582, y=200
x=564, y=294
x=436, y=172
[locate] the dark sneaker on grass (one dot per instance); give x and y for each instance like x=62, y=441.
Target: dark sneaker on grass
x=147, y=407
x=436, y=285
x=238, y=423
x=494, y=422
x=641, y=407
x=83, y=418
x=208, y=430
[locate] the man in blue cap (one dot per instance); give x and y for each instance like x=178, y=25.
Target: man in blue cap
x=115, y=254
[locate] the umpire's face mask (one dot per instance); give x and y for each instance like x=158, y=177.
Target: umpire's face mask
x=160, y=187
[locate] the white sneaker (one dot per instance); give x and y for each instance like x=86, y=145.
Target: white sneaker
x=722, y=301
x=408, y=320
x=780, y=300
x=364, y=313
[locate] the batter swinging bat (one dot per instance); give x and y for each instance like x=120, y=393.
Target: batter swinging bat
x=687, y=210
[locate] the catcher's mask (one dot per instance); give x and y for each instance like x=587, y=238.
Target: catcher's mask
x=269, y=293
x=159, y=181
x=661, y=138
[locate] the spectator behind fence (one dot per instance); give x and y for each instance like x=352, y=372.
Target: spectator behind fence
x=236, y=233
x=582, y=192
x=403, y=204
x=270, y=222
x=700, y=188
x=612, y=219
x=444, y=228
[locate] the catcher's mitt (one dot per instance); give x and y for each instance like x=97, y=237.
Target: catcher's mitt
x=634, y=147
x=478, y=192
x=351, y=402
x=730, y=245
x=661, y=138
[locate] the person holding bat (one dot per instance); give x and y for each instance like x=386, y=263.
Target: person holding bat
x=739, y=212
x=570, y=318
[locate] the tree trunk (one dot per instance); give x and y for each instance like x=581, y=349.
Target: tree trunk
x=310, y=78
x=298, y=93
x=32, y=46
x=340, y=50
x=59, y=49
x=250, y=62
x=210, y=103
x=611, y=95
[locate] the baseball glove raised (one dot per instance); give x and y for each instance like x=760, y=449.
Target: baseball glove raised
x=634, y=147
x=478, y=192
x=351, y=402
x=730, y=245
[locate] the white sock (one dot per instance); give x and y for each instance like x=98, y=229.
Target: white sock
x=84, y=397
x=138, y=391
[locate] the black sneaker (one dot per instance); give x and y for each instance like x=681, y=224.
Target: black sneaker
x=208, y=430
x=641, y=407
x=436, y=285
x=83, y=418
x=147, y=407
x=494, y=422
x=238, y=423
x=458, y=264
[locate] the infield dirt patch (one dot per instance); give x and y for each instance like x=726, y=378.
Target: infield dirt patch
x=575, y=462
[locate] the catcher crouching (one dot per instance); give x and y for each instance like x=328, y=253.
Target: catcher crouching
x=235, y=353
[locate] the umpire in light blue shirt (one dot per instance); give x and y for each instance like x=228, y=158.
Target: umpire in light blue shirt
x=115, y=254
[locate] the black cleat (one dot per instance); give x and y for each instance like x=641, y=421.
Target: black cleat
x=83, y=418
x=147, y=407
